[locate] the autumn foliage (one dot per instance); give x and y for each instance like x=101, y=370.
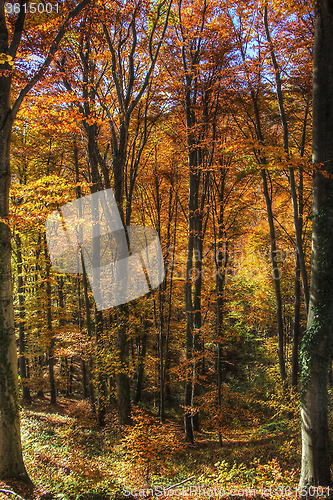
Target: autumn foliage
x=198, y=116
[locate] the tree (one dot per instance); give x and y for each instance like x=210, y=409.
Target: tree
x=297, y=197
x=317, y=341
x=204, y=54
x=130, y=87
x=11, y=461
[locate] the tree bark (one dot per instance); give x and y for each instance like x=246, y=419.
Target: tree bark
x=21, y=291
x=220, y=257
x=317, y=341
x=89, y=332
x=11, y=461
x=122, y=377
x=141, y=347
x=297, y=307
x=53, y=395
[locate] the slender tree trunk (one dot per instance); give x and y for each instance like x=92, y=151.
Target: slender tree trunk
x=197, y=322
x=122, y=375
x=298, y=234
x=85, y=375
x=276, y=276
x=141, y=344
x=220, y=256
x=189, y=341
x=161, y=342
x=166, y=375
x=193, y=234
x=161, y=299
x=21, y=291
x=84, y=379
x=101, y=382
x=83, y=363
x=316, y=350
x=97, y=186
x=53, y=395
x=296, y=326
x=89, y=331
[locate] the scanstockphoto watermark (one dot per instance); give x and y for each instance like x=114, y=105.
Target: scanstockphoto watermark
x=225, y=265
x=217, y=491
x=187, y=491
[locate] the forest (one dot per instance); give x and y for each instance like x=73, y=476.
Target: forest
x=208, y=127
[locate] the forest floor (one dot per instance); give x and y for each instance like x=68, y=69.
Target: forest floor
x=68, y=457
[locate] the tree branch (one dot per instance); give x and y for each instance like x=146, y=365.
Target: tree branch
x=54, y=47
x=18, y=30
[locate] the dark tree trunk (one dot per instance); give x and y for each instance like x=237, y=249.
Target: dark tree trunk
x=166, y=375
x=53, y=395
x=83, y=363
x=80, y=322
x=317, y=341
x=122, y=378
x=89, y=331
x=141, y=345
x=189, y=341
x=297, y=308
x=101, y=382
x=84, y=379
x=221, y=259
x=21, y=292
x=276, y=277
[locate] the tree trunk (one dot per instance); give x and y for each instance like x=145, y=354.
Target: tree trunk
x=141, y=344
x=189, y=340
x=166, y=374
x=317, y=341
x=88, y=320
x=21, y=291
x=276, y=276
x=11, y=461
x=294, y=363
x=83, y=363
x=161, y=298
x=220, y=256
x=80, y=322
x=101, y=383
x=53, y=395
x=122, y=378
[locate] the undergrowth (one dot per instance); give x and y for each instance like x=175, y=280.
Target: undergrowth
x=69, y=456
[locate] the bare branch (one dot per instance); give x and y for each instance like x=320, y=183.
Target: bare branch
x=53, y=49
